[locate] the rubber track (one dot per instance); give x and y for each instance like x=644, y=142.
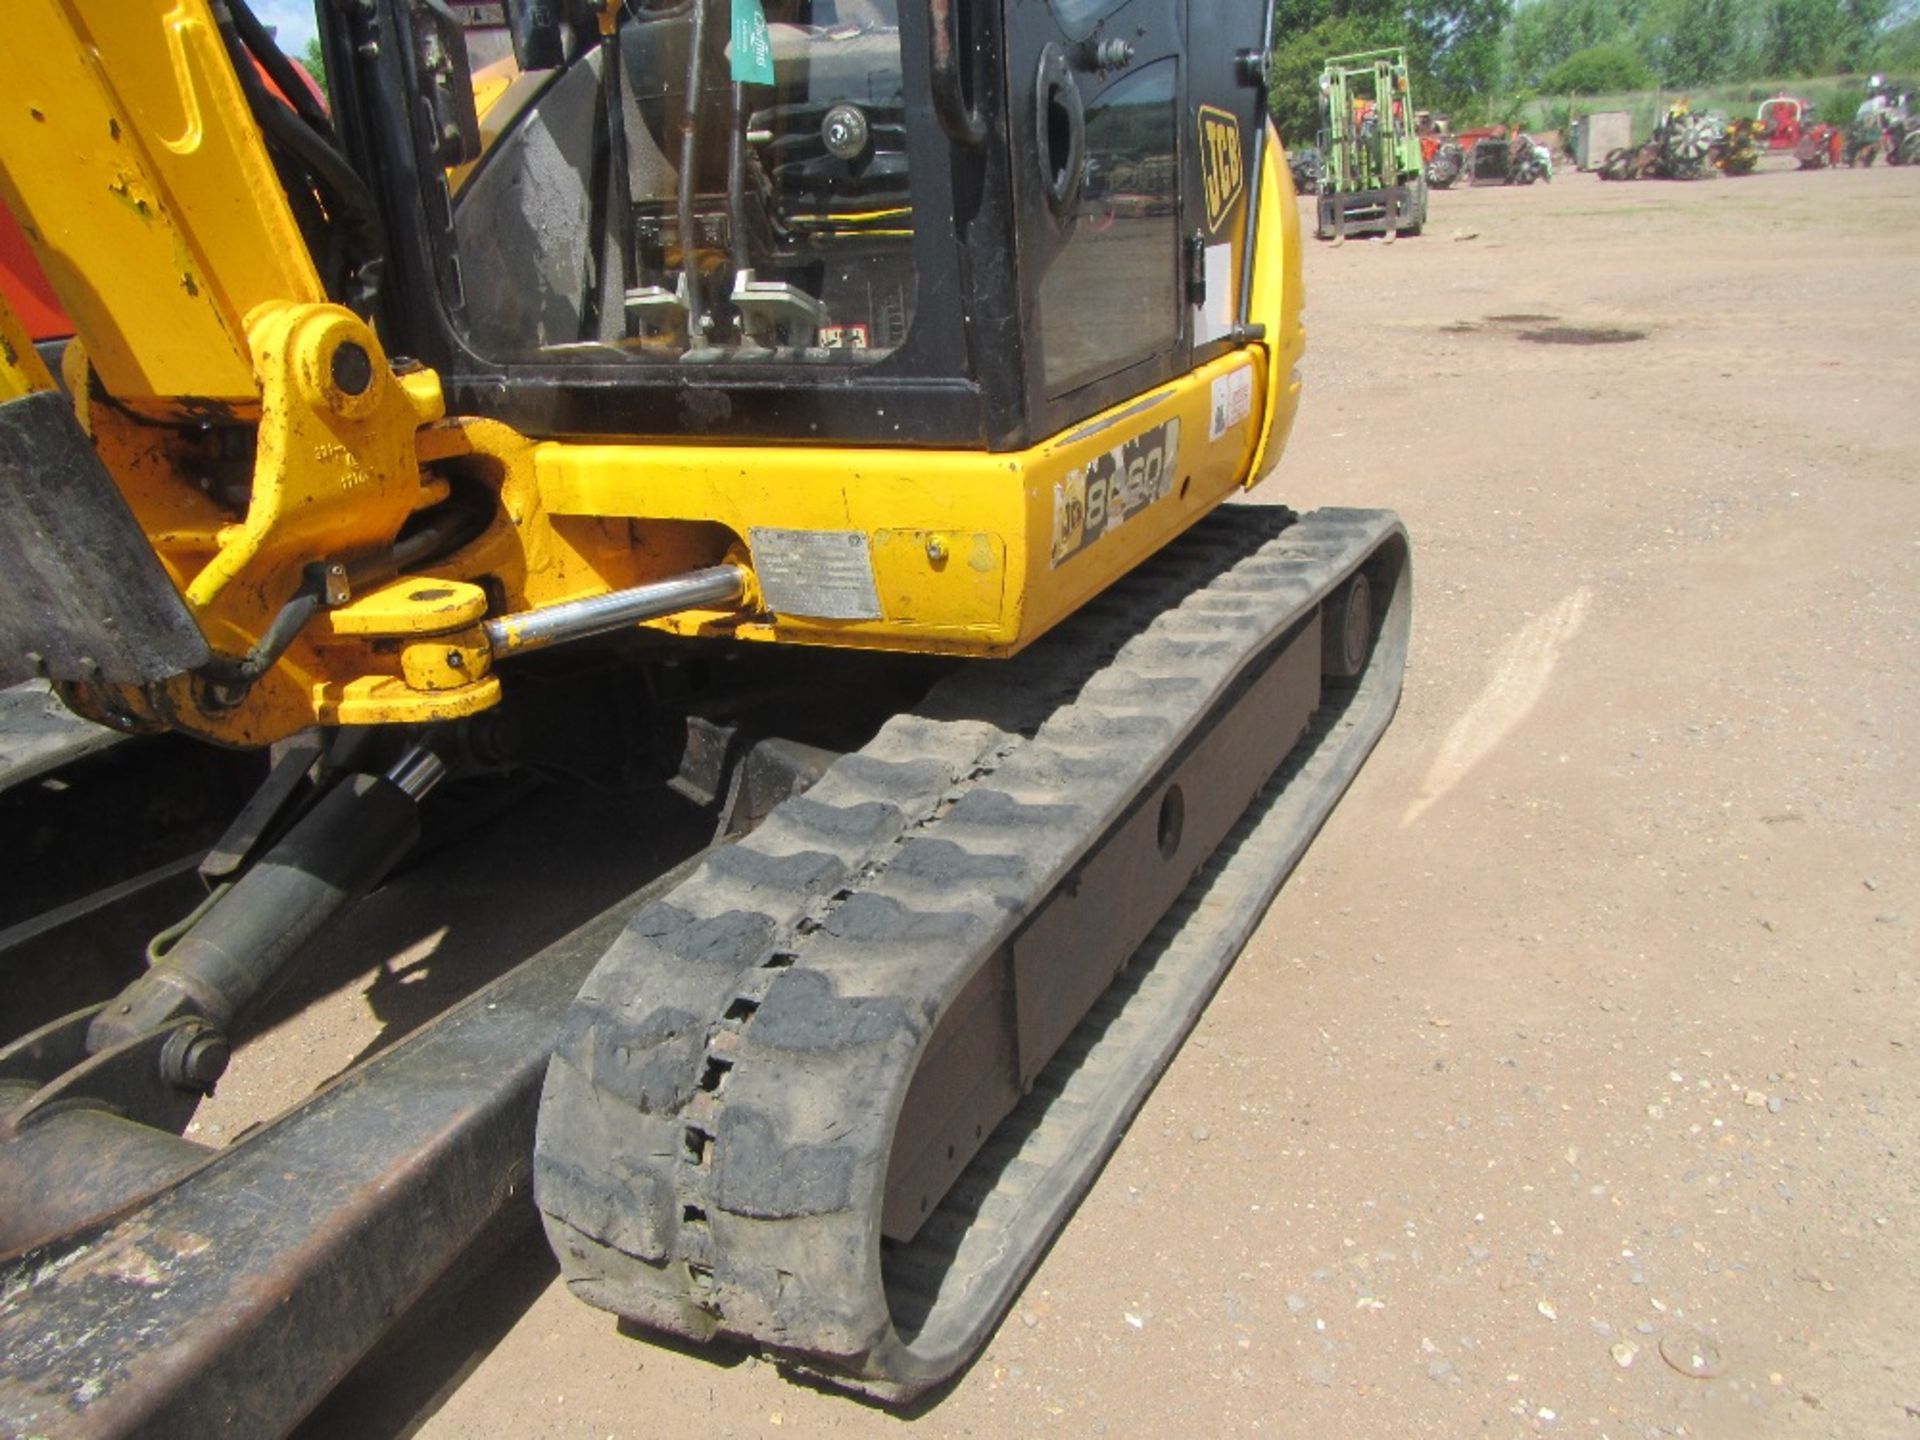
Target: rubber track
x=716, y=1122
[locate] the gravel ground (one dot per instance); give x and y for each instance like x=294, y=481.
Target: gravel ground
x=1570, y=1085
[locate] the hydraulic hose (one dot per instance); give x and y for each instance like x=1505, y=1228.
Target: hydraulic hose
x=348, y=199
x=689, y=156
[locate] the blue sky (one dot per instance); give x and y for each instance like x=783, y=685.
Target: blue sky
x=292, y=22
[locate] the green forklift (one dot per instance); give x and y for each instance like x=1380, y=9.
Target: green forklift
x=1372, y=179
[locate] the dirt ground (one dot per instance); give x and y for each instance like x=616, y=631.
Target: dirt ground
x=1570, y=1086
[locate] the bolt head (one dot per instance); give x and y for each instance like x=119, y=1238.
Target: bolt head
x=206, y=1059
x=195, y=1057
x=844, y=131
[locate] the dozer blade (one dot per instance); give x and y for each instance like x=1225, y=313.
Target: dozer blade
x=833, y=1094
x=232, y=1302
x=38, y=734
x=82, y=595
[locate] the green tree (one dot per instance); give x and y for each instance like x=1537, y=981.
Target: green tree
x=316, y=64
x=1897, y=47
x=1459, y=45
x=1453, y=47
x=1293, y=80
x=1813, y=37
x=1797, y=35
x=1696, y=42
x=1599, y=70
x=1546, y=33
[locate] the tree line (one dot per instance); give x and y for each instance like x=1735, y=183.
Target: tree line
x=1475, y=57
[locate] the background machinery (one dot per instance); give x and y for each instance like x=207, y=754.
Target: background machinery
x=1682, y=147
x=737, y=414
x=1737, y=151
x=1372, y=172
x=1783, y=120
x=1497, y=158
x=1440, y=149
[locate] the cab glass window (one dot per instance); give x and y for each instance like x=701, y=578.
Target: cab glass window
x=592, y=226
x=1077, y=17
x=1109, y=296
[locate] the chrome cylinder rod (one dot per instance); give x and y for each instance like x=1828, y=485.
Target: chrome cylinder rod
x=511, y=635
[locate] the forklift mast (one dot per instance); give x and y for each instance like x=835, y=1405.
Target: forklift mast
x=1372, y=172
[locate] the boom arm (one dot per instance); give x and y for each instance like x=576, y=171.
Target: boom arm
x=253, y=429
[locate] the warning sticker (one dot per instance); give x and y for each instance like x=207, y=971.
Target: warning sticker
x=1112, y=488
x=1232, y=401
x=821, y=574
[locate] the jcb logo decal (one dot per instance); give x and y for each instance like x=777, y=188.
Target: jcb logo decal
x=1220, y=168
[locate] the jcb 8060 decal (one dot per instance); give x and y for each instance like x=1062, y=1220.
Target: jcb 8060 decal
x=1112, y=488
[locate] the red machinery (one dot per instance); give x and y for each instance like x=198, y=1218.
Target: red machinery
x=25, y=285
x=1820, y=146
x=1784, y=119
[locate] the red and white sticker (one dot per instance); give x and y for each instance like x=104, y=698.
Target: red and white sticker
x=1232, y=401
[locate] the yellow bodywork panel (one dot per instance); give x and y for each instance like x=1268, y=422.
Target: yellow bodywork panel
x=137, y=173
x=335, y=475
x=1279, y=295
x=964, y=546
x=334, y=470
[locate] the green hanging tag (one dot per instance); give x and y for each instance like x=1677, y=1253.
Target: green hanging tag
x=752, y=52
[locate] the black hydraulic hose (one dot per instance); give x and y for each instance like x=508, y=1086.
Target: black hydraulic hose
x=616, y=242
x=274, y=60
x=446, y=529
x=689, y=157
x=349, y=199
x=230, y=679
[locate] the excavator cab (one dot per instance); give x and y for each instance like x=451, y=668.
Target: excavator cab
x=832, y=220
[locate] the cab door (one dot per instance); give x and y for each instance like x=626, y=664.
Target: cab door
x=1096, y=97
x=1225, y=51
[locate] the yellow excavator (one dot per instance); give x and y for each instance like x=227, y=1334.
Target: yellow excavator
x=823, y=408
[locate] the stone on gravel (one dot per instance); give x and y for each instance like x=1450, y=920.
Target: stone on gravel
x=1691, y=1353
